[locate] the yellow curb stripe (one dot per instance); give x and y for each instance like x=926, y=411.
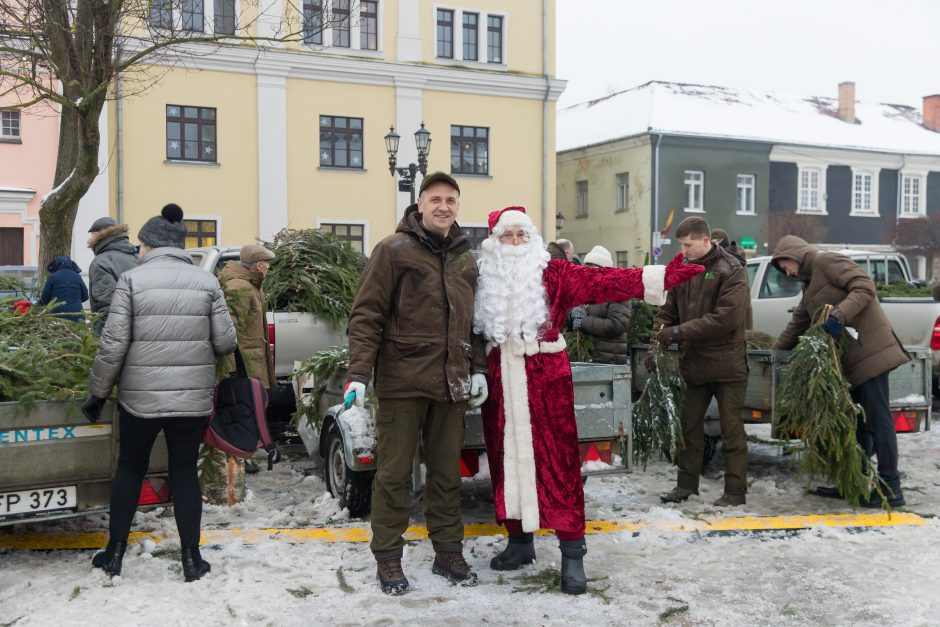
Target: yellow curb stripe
x=40, y=541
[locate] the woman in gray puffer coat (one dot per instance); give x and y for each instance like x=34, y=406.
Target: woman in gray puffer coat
x=168, y=322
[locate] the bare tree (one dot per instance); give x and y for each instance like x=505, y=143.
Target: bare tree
x=807, y=227
x=918, y=236
x=68, y=53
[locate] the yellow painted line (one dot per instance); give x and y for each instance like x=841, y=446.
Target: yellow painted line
x=38, y=541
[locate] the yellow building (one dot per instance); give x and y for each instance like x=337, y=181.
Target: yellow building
x=249, y=141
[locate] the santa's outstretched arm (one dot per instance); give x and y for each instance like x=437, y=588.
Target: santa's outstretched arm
x=580, y=285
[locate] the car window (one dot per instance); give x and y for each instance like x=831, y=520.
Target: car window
x=776, y=284
x=895, y=273
x=751, y=273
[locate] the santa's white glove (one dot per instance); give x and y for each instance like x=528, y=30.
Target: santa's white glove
x=354, y=392
x=478, y=390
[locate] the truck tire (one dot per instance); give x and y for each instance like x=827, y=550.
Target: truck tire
x=353, y=488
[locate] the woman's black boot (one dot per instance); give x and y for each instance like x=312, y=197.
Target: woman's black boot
x=194, y=567
x=573, y=580
x=110, y=560
x=519, y=552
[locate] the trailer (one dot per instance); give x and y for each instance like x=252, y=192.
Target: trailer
x=603, y=404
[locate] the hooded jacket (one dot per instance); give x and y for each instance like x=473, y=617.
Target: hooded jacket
x=608, y=323
x=830, y=278
x=245, y=300
x=114, y=255
x=412, y=316
x=168, y=322
x=65, y=285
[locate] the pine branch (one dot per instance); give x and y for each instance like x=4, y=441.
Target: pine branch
x=657, y=415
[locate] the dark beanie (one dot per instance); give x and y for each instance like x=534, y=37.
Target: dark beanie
x=165, y=230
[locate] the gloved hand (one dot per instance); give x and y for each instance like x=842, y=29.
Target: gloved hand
x=833, y=327
x=679, y=272
x=478, y=390
x=575, y=316
x=354, y=391
x=92, y=408
x=667, y=336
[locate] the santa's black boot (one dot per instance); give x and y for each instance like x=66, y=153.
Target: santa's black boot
x=111, y=559
x=519, y=552
x=573, y=580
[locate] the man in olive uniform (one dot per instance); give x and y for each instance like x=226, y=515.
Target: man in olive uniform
x=411, y=322
x=707, y=316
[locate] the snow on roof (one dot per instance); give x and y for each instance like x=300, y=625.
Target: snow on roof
x=725, y=112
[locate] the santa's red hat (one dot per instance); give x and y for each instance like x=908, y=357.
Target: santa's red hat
x=510, y=216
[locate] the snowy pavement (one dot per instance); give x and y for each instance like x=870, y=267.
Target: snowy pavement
x=821, y=576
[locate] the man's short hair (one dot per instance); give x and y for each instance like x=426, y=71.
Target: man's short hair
x=694, y=227
x=565, y=245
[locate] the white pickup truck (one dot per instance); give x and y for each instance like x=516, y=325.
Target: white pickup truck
x=915, y=320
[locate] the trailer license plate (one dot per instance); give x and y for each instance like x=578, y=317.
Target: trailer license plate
x=41, y=500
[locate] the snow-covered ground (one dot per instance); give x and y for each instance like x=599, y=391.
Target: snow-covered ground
x=822, y=576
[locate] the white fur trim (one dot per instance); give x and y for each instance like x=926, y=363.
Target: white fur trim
x=515, y=218
x=488, y=244
x=654, y=285
x=519, y=492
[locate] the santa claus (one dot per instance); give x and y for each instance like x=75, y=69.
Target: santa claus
x=529, y=423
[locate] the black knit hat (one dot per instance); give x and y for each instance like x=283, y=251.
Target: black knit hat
x=166, y=230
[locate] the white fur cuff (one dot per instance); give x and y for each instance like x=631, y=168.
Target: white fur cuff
x=654, y=285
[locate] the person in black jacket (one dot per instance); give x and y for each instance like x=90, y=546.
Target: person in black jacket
x=607, y=322
x=65, y=285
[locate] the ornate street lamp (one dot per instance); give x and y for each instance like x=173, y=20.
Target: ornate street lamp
x=559, y=222
x=408, y=174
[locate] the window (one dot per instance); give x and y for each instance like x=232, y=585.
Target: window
x=201, y=233
x=862, y=194
x=11, y=245
x=875, y=268
x=623, y=259
x=470, y=41
x=911, y=196
x=623, y=191
x=445, y=33
x=340, y=142
x=10, y=124
x=809, y=191
x=192, y=15
x=313, y=22
x=581, y=189
x=776, y=284
x=694, y=182
x=368, y=25
x=353, y=234
x=190, y=133
x=469, y=149
x=160, y=14
x=475, y=234
x=341, y=23
x=224, y=17
x=745, y=201
x=494, y=39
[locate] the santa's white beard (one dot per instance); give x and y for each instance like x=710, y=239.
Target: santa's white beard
x=510, y=299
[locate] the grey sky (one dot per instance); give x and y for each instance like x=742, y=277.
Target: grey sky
x=890, y=48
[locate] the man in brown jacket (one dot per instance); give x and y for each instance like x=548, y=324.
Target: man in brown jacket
x=707, y=316
x=411, y=322
x=830, y=278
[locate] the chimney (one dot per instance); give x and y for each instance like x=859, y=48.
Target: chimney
x=847, y=101
x=932, y=112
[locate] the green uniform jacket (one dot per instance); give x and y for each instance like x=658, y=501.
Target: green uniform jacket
x=830, y=278
x=412, y=316
x=245, y=301
x=710, y=313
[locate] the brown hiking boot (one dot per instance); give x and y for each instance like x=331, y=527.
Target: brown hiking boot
x=455, y=568
x=677, y=495
x=730, y=500
x=392, y=577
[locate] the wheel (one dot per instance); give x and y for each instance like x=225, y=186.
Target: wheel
x=353, y=488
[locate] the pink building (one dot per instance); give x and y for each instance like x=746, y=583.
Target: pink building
x=28, y=142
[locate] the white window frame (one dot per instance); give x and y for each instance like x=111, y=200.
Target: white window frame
x=745, y=190
x=623, y=192
x=209, y=14
x=355, y=39
x=858, y=198
x=482, y=60
x=578, y=213
x=807, y=208
x=19, y=127
x=688, y=179
x=918, y=201
x=363, y=222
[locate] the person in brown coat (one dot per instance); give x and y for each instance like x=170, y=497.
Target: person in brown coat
x=411, y=322
x=830, y=278
x=707, y=316
x=608, y=322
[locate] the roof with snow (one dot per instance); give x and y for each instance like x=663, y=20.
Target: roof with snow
x=725, y=112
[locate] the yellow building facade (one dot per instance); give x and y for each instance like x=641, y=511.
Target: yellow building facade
x=249, y=141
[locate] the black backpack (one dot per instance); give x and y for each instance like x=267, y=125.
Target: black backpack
x=237, y=425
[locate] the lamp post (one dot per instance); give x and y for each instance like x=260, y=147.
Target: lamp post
x=559, y=222
x=408, y=174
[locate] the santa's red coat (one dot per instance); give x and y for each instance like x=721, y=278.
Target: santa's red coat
x=551, y=392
